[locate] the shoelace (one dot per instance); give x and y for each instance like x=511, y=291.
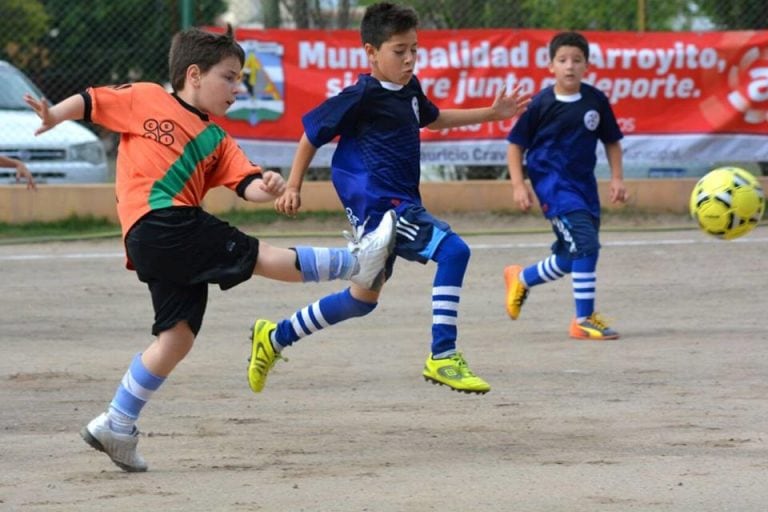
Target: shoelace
x=598, y=321
x=462, y=365
x=355, y=236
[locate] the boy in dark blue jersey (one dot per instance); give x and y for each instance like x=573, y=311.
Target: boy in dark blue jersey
x=375, y=169
x=559, y=134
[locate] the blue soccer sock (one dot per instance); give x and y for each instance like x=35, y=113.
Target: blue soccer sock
x=132, y=394
x=325, y=263
x=549, y=269
x=584, y=280
x=452, y=257
x=327, y=311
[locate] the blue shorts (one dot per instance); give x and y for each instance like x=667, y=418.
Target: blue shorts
x=418, y=235
x=577, y=234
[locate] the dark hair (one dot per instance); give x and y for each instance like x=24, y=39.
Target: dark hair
x=569, y=39
x=383, y=20
x=206, y=49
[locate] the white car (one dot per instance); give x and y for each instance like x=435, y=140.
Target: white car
x=69, y=153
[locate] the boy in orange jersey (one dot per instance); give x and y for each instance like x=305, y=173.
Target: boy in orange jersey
x=170, y=155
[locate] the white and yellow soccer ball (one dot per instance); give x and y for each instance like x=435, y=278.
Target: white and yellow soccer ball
x=728, y=202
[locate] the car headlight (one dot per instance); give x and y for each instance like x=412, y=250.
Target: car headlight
x=91, y=152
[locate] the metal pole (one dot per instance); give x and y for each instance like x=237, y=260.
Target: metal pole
x=641, y=15
x=186, y=14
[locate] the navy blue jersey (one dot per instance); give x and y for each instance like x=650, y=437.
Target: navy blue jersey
x=376, y=163
x=559, y=135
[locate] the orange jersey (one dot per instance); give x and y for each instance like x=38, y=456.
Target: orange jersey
x=170, y=154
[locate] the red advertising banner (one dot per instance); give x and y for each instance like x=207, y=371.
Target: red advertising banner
x=678, y=96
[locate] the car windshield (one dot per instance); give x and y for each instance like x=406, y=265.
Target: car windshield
x=13, y=85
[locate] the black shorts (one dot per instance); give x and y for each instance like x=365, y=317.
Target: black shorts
x=178, y=251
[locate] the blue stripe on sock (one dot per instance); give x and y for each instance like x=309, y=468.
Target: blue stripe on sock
x=307, y=264
x=143, y=376
x=126, y=403
x=311, y=314
x=335, y=308
x=303, y=324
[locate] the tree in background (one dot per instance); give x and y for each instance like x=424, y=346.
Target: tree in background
x=314, y=13
x=99, y=42
x=22, y=24
x=552, y=14
x=270, y=10
x=736, y=14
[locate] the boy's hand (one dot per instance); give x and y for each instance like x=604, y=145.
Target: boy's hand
x=618, y=191
x=506, y=106
x=23, y=172
x=290, y=202
x=522, y=197
x=272, y=183
x=43, y=112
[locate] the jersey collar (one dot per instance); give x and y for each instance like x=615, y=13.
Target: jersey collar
x=568, y=98
x=198, y=113
x=391, y=86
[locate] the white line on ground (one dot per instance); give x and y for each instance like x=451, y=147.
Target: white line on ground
x=520, y=245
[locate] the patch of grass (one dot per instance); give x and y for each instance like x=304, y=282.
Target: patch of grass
x=266, y=217
x=76, y=227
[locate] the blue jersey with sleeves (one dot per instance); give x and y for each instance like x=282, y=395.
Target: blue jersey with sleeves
x=559, y=135
x=376, y=164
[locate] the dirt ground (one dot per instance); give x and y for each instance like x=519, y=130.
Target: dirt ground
x=672, y=417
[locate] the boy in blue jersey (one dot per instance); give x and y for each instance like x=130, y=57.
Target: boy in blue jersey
x=375, y=170
x=559, y=134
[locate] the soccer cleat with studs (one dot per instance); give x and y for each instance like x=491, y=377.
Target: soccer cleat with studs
x=453, y=372
x=263, y=354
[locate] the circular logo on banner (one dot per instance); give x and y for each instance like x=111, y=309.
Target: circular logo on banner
x=748, y=82
x=591, y=120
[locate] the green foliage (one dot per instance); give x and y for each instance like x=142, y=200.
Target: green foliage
x=551, y=14
x=22, y=24
x=736, y=14
x=82, y=227
x=101, y=42
x=74, y=226
x=271, y=12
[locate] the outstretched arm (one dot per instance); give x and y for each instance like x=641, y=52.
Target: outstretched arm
x=505, y=106
x=21, y=170
x=290, y=202
x=72, y=108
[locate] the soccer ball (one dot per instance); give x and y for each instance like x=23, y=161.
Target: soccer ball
x=727, y=202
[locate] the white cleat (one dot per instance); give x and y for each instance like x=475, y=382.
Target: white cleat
x=121, y=448
x=372, y=251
